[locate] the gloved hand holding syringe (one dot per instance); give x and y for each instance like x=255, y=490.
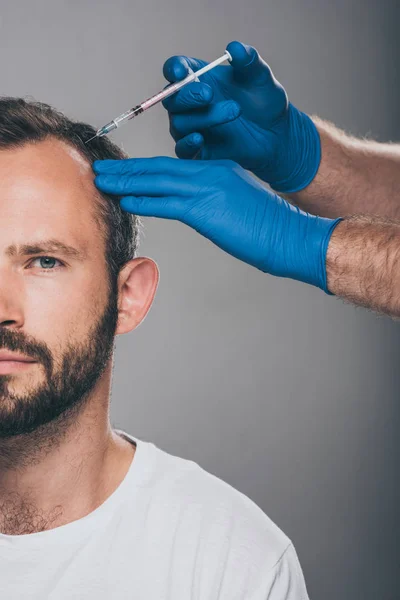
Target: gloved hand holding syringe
x=168, y=91
x=214, y=194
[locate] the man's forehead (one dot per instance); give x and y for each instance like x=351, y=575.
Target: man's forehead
x=39, y=170
x=45, y=155
x=47, y=188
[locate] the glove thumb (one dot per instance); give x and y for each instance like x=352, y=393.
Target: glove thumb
x=248, y=65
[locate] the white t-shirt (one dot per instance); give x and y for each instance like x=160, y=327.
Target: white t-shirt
x=170, y=531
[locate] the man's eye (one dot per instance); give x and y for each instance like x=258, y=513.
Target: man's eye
x=46, y=263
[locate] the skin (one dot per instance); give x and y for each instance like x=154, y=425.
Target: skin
x=363, y=263
x=67, y=467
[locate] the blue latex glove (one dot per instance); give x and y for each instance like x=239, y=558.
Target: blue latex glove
x=240, y=112
x=224, y=203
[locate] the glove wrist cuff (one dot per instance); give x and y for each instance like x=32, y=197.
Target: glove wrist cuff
x=324, y=250
x=312, y=250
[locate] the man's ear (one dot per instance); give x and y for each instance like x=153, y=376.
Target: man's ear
x=137, y=286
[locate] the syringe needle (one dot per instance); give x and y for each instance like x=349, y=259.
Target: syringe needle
x=90, y=139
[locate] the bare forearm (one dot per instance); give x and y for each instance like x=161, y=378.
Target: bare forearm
x=354, y=177
x=363, y=263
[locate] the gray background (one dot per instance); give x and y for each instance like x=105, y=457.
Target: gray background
x=286, y=393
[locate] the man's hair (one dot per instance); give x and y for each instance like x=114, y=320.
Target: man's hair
x=23, y=121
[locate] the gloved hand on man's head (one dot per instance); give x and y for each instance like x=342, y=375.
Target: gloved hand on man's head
x=225, y=204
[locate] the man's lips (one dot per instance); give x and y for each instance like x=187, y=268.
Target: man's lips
x=11, y=362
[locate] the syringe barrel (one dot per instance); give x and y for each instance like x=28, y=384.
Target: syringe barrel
x=171, y=89
x=126, y=115
x=165, y=93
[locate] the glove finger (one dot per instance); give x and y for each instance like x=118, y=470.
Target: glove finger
x=156, y=165
x=189, y=146
x=145, y=185
x=248, y=65
x=194, y=95
x=177, y=67
x=216, y=114
x=143, y=206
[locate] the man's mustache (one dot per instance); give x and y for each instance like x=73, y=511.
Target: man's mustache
x=15, y=341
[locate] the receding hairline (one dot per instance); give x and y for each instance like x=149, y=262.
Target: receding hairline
x=84, y=163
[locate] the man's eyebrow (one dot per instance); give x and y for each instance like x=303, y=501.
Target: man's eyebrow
x=42, y=246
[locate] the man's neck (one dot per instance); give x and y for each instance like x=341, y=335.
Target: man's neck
x=66, y=479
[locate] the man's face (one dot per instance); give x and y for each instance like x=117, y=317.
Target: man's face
x=55, y=306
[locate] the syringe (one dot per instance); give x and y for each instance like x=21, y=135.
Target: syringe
x=168, y=91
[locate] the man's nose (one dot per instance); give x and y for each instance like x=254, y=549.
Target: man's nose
x=11, y=313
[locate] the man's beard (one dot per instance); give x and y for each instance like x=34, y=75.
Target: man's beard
x=63, y=392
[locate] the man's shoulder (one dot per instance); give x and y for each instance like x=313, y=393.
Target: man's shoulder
x=219, y=507
x=205, y=535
